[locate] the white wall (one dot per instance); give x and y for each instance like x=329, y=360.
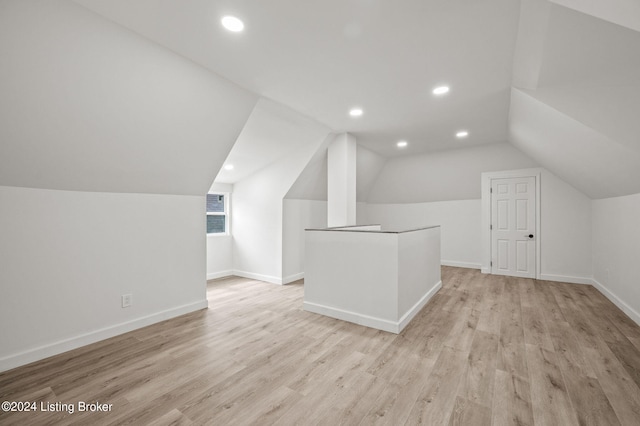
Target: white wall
x=431, y=190
x=565, y=237
x=299, y=215
x=621, y=12
x=91, y=107
x=67, y=257
x=369, y=164
x=441, y=188
x=442, y=176
x=616, y=251
x=341, y=181
x=459, y=221
x=378, y=279
x=220, y=247
x=257, y=222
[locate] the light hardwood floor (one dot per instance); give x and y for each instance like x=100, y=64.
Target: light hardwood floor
x=485, y=350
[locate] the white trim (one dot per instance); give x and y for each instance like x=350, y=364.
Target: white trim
x=373, y=322
x=460, y=264
x=631, y=313
x=406, y=318
x=45, y=351
x=259, y=277
x=293, y=277
x=566, y=279
x=226, y=213
x=486, y=212
x=484, y=270
x=220, y=274
x=360, y=319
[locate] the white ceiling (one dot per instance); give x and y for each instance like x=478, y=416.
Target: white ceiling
x=575, y=63
x=324, y=57
x=577, y=110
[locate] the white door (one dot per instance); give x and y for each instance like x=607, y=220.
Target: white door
x=513, y=227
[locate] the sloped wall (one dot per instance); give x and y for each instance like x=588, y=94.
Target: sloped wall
x=109, y=143
x=441, y=176
x=257, y=222
x=90, y=106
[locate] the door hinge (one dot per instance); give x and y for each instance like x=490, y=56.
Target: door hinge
x=491, y=263
x=490, y=226
x=491, y=190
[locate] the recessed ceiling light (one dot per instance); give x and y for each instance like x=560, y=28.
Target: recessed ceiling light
x=356, y=112
x=402, y=144
x=232, y=24
x=462, y=134
x=228, y=167
x=441, y=90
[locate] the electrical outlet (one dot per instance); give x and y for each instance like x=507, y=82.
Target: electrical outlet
x=126, y=300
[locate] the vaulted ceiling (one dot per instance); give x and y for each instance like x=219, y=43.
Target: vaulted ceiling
x=558, y=79
x=576, y=98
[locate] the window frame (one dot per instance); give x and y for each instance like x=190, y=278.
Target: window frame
x=226, y=213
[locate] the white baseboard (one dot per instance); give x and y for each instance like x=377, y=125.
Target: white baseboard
x=631, y=313
x=292, y=278
x=369, y=321
x=259, y=277
x=485, y=270
x=566, y=279
x=360, y=319
x=221, y=274
x=406, y=318
x=460, y=264
x=45, y=351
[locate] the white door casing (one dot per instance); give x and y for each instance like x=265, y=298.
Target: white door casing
x=513, y=226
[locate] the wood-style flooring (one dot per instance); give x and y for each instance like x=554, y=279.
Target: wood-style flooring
x=485, y=350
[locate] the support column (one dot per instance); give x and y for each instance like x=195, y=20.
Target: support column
x=341, y=175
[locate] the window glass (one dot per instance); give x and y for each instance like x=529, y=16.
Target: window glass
x=215, y=203
x=217, y=213
x=216, y=224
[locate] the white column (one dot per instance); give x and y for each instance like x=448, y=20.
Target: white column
x=342, y=181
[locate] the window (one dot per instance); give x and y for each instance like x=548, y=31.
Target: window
x=217, y=213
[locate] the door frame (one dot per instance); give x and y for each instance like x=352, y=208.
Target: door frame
x=486, y=178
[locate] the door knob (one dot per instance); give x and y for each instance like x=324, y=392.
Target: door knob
x=530, y=235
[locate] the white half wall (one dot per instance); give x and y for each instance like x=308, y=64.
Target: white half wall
x=68, y=257
x=565, y=236
x=616, y=251
x=459, y=221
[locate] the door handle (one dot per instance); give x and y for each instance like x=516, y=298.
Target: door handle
x=529, y=236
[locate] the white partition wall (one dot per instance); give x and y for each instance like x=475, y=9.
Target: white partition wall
x=379, y=279
x=341, y=181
